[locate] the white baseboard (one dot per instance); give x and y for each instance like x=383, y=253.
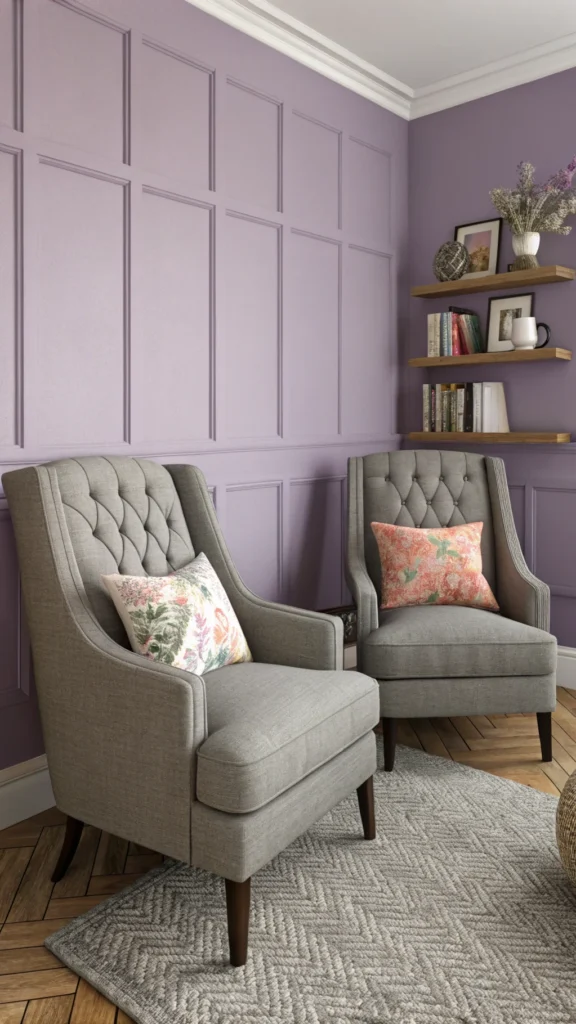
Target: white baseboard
x=25, y=789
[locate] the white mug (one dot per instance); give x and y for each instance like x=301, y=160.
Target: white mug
x=525, y=333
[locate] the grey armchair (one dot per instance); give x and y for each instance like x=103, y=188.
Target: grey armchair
x=221, y=772
x=446, y=660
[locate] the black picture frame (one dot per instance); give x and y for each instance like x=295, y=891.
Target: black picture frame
x=492, y=344
x=483, y=224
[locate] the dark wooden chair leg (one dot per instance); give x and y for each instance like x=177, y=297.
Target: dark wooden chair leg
x=69, y=846
x=545, y=732
x=389, y=729
x=366, y=805
x=238, y=911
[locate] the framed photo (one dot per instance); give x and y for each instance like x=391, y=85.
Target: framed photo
x=483, y=243
x=501, y=315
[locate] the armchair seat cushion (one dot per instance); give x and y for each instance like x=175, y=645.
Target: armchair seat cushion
x=270, y=726
x=450, y=641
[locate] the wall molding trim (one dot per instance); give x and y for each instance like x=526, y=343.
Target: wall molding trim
x=268, y=24
x=25, y=789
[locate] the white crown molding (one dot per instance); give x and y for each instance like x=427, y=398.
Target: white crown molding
x=268, y=24
x=25, y=790
x=520, y=68
x=265, y=22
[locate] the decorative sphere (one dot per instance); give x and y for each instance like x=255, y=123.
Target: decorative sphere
x=451, y=261
x=566, y=828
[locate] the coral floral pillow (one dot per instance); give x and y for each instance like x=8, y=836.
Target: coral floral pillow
x=442, y=566
x=184, y=619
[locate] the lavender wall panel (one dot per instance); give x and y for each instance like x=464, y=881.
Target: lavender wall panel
x=176, y=107
x=78, y=358
x=313, y=310
x=252, y=299
x=314, y=188
x=172, y=349
x=254, y=533
x=367, y=359
x=253, y=147
x=317, y=535
x=80, y=96
x=9, y=290
x=554, y=515
x=176, y=255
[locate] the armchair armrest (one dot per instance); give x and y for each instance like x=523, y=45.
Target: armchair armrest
x=361, y=587
x=521, y=595
x=276, y=633
x=121, y=731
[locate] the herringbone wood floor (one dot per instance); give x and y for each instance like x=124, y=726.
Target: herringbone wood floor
x=36, y=989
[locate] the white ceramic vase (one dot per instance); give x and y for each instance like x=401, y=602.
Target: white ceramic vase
x=525, y=247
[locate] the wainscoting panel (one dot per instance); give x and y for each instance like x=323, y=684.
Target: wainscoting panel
x=313, y=296
x=78, y=358
x=253, y=146
x=252, y=289
x=82, y=95
x=314, y=187
x=254, y=521
x=176, y=104
x=553, y=519
x=172, y=350
x=198, y=264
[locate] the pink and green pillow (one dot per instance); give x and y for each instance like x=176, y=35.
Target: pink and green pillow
x=432, y=566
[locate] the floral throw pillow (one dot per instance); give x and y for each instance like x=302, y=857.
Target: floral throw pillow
x=442, y=566
x=184, y=619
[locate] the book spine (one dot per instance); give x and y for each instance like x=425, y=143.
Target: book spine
x=461, y=334
x=445, y=335
x=430, y=348
x=432, y=407
x=426, y=407
x=453, y=408
x=445, y=411
x=455, y=335
x=477, y=408
x=438, y=407
x=433, y=334
x=460, y=396
x=488, y=424
x=468, y=408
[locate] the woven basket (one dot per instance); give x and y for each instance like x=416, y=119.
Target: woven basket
x=566, y=828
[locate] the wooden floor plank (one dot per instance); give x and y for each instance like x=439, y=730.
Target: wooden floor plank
x=13, y=864
x=90, y=1007
x=29, y=933
x=12, y=1013
x=49, y=1011
x=22, y=834
x=105, y=885
x=466, y=728
x=35, y=958
x=449, y=734
x=71, y=907
x=76, y=879
x=34, y=892
x=142, y=862
x=111, y=855
x=50, y=817
x=37, y=984
x=523, y=744
x=555, y=773
x=428, y=737
x=566, y=698
x=407, y=736
x=122, y=1018
x=482, y=723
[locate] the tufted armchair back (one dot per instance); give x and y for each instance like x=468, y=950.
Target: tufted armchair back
x=423, y=489
x=123, y=515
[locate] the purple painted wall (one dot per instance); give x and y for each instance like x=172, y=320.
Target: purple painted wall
x=201, y=244
x=455, y=157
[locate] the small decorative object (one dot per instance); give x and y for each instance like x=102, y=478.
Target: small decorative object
x=566, y=828
x=348, y=614
x=451, y=261
x=501, y=315
x=531, y=208
x=482, y=240
x=525, y=333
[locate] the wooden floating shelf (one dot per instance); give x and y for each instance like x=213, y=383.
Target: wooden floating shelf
x=514, y=437
x=495, y=282
x=534, y=355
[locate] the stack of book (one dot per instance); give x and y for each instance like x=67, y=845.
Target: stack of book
x=478, y=408
x=456, y=333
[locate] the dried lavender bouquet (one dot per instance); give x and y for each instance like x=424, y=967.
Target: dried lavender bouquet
x=534, y=207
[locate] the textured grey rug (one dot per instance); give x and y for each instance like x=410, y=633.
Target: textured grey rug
x=459, y=913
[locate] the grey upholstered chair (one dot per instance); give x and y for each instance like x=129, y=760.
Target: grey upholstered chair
x=221, y=772
x=447, y=660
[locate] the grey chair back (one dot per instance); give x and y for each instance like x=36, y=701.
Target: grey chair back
x=421, y=489
x=123, y=515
